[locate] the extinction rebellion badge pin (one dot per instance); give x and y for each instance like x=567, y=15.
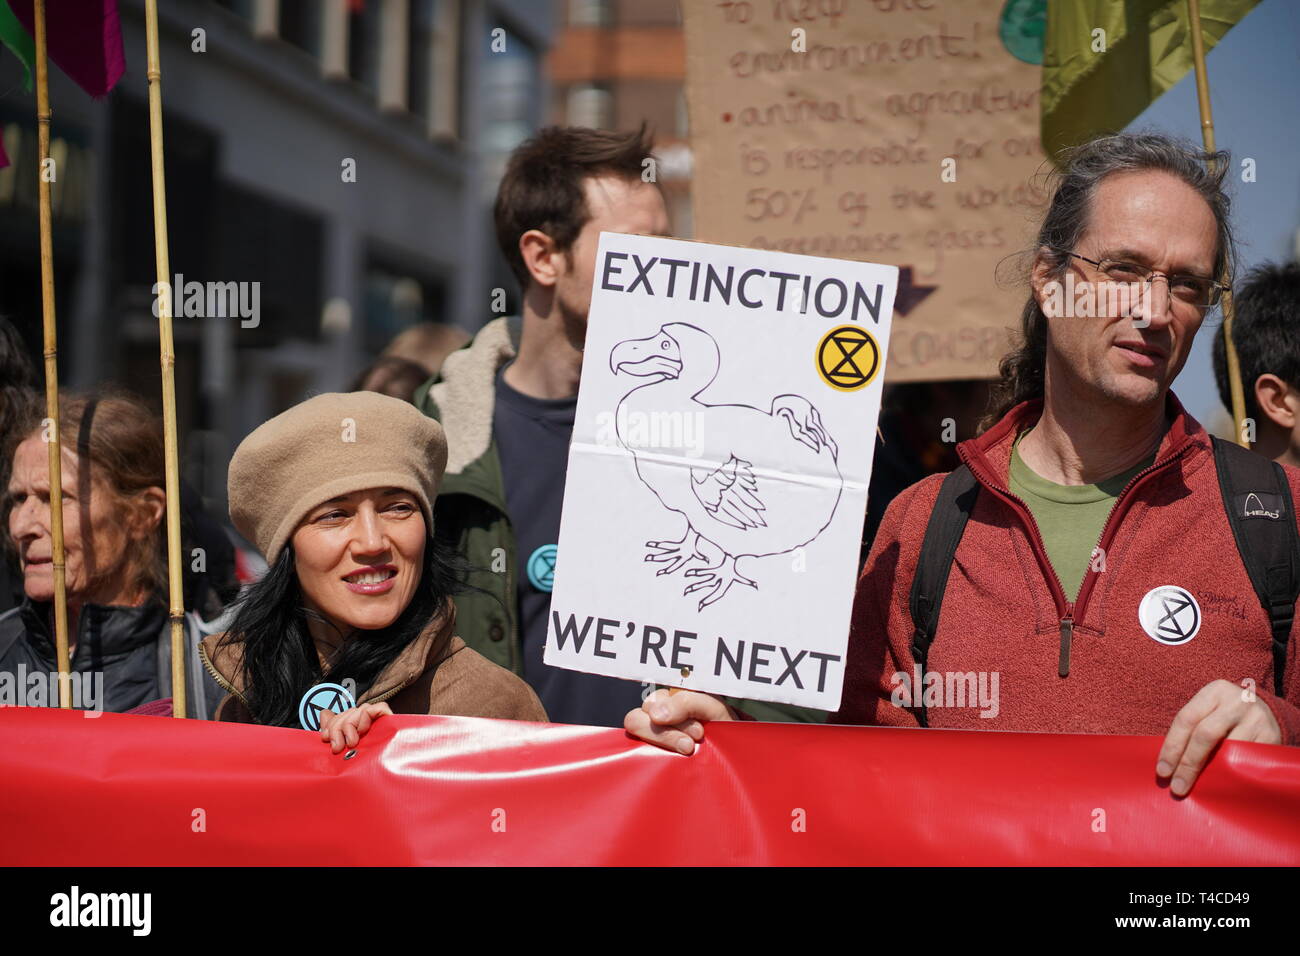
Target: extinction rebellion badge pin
x=541, y=567
x=331, y=697
x=1170, y=615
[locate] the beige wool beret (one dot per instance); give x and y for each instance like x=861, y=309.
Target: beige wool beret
x=327, y=446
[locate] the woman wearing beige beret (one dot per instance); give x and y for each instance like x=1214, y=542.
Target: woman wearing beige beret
x=354, y=618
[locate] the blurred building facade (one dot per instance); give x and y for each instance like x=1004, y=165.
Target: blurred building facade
x=616, y=63
x=270, y=107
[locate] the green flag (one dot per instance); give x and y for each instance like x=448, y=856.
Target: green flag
x=1105, y=62
x=18, y=40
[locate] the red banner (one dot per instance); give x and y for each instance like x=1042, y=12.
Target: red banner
x=127, y=790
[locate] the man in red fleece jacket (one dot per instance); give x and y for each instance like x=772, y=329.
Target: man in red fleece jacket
x=1097, y=587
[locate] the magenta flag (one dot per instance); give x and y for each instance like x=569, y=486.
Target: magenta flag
x=85, y=40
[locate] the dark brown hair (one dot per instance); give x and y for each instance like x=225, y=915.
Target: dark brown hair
x=543, y=184
x=1068, y=215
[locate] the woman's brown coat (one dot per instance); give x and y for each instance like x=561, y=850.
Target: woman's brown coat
x=437, y=673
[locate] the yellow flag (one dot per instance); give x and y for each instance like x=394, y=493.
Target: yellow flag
x=1105, y=61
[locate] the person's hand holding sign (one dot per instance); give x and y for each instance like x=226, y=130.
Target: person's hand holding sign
x=350, y=726
x=675, y=721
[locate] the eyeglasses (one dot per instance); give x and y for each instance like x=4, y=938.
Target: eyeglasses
x=1199, y=291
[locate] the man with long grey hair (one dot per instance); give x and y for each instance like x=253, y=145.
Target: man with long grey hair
x=1097, y=564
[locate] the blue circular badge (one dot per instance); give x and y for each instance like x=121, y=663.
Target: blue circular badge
x=541, y=568
x=333, y=697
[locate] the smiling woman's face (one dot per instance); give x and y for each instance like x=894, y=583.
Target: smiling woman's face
x=359, y=557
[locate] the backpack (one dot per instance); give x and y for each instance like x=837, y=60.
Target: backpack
x=1253, y=488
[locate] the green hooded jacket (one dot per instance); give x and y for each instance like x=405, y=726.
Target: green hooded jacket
x=470, y=511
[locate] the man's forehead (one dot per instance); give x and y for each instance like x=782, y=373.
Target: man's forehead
x=609, y=186
x=630, y=211
x=1152, y=213
x=609, y=193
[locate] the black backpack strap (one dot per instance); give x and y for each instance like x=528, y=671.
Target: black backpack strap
x=1257, y=498
x=943, y=532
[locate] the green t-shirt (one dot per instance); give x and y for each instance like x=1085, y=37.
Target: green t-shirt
x=1069, y=517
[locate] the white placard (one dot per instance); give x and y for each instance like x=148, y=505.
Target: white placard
x=718, y=473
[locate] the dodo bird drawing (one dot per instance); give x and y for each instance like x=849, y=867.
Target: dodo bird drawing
x=733, y=508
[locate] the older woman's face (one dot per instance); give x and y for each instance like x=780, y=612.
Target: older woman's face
x=95, y=533
x=359, y=557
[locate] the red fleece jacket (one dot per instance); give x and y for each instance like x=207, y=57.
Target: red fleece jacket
x=1003, y=607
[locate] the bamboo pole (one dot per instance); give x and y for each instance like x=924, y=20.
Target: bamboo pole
x=1207, y=135
x=52, y=423
x=167, y=358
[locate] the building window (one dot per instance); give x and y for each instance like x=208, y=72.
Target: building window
x=300, y=24
x=364, y=29
x=257, y=238
x=590, y=105
x=422, y=35
x=510, y=98
x=240, y=8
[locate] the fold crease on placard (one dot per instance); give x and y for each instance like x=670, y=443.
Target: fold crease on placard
x=678, y=461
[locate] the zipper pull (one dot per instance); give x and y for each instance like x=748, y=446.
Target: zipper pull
x=1067, y=636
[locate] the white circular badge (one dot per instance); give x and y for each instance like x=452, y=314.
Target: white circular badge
x=1170, y=615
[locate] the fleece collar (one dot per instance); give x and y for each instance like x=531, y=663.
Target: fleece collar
x=989, y=454
x=466, y=391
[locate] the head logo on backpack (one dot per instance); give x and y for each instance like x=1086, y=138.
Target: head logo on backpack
x=1255, y=504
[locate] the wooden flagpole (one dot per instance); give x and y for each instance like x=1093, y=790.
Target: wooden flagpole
x=52, y=423
x=1207, y=136
x=167, y=356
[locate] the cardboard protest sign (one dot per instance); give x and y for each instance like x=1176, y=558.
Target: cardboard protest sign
x=718, y=472
x=899, y=131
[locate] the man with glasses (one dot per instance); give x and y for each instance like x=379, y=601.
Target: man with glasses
x=1091, y=565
